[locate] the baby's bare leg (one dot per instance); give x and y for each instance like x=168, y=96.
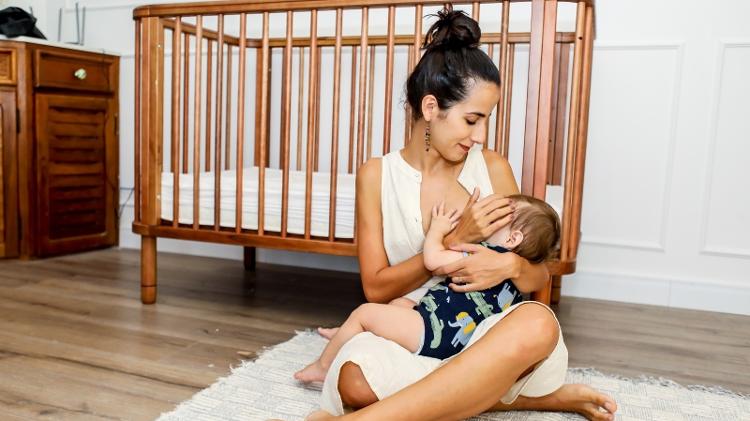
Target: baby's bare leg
x=401, y=325
x=403, y=302
x=329, y=332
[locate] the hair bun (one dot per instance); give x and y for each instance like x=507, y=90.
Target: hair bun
x=454, y=30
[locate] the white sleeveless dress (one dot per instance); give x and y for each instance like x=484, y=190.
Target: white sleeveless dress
x=403, y=235
x=389, y=367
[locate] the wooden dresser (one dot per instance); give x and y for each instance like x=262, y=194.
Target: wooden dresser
x=58, y=143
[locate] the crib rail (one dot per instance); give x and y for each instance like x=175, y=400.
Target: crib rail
x=245, y=89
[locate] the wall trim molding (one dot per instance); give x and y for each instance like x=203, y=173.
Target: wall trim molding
x=704, y=294
x=704, y=247
x=660, y=245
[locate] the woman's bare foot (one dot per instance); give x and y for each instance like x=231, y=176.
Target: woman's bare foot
x=314, y=372
x=319, y=416
x=593, y=405
x=327, y=332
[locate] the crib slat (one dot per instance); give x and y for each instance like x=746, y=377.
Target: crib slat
x=197, y=121
x=508, y=100
x=286, y=106
x=389, y=81
x=486, y=144
x=335, y=127
x=240, y=122
x=575, y=97
x=408, y=113
x=186, y=105
x=209, y=67
x=316, y=114
x=362, y=85
x=311, y=107
x=561, y=90
x=352, y=108
x=217, y=140
x=228, y=131
x=505, y=85
x=175, y=154
x=588, y=50
x=475, y=11
x=370, y=96
x=414, y=56
x=263, y=127
x=539, y=97
x=137, y=124
x=300, y=101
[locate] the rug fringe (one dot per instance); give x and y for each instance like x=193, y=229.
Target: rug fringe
x=661, y=381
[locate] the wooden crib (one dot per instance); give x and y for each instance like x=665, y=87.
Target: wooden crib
x=251, y=119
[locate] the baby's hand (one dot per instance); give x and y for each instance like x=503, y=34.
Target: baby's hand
x=442, y=223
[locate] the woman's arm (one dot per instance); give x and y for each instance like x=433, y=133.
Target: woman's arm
x=380, y=281
x=486, y=268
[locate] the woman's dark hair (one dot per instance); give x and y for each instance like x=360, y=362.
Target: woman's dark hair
x=451, y=62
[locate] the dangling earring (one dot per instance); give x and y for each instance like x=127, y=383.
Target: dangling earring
x=427, y=138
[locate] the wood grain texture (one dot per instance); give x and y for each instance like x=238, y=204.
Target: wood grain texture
x=76, y=343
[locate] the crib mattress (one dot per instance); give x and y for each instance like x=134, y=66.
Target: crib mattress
x=345, y=196
x=321, y=182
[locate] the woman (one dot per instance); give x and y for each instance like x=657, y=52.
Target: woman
x=515, y=360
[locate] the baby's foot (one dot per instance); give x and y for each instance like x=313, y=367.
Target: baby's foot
x=327, y=333
x=312, y=373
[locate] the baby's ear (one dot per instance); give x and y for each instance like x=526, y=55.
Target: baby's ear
x=514, y=239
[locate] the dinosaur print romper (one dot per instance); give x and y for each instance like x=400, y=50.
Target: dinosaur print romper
x=450, y=317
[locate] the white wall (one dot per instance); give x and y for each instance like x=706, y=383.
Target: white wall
x=667, y=199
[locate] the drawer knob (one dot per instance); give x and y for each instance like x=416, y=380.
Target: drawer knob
x=80, y=74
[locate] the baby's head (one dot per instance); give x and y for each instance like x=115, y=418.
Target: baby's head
x=534, y=231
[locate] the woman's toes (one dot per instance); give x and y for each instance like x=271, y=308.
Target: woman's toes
x=592, y=412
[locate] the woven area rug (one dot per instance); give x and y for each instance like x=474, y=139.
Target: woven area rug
x=264, y=388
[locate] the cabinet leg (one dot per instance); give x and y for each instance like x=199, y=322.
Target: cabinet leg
x=249, y=258
x=148, y=270
x=543, y=295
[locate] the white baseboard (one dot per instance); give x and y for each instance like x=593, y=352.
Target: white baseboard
x=639, y=289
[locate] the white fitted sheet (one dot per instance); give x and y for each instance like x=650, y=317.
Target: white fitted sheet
x=273, y=183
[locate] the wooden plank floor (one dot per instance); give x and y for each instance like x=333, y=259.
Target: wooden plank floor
x=76, y=343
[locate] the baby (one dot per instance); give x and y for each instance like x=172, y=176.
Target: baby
x=442, y=323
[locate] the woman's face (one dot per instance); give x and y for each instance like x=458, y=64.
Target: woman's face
x=455, y=130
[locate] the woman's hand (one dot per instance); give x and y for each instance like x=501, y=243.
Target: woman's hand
x=483, y=269
x=480, y=219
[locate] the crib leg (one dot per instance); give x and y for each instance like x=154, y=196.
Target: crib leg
x=556, y=288
x=543, y=295
x=148, y=270
x=249, y=258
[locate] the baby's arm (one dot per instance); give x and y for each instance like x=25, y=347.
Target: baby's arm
x=435, y=254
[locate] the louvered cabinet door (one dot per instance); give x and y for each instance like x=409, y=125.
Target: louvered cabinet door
x=76, y=173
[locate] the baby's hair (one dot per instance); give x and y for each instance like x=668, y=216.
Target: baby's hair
x=540, y=226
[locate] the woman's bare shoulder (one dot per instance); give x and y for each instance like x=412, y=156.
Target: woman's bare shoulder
x=368, y=176
x=501, y=174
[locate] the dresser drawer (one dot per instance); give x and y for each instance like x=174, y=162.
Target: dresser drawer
x=73, y=71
